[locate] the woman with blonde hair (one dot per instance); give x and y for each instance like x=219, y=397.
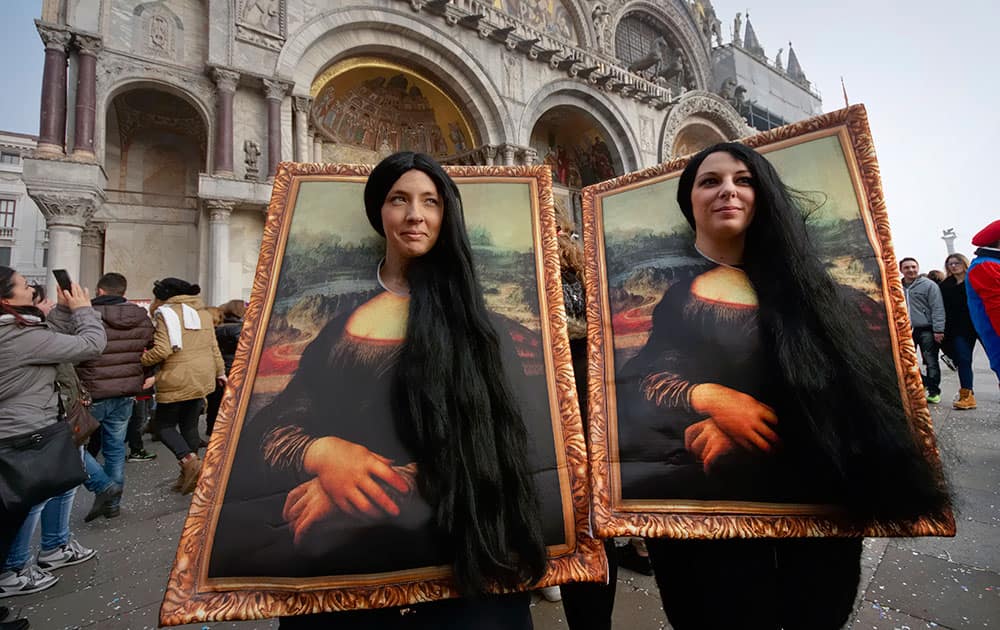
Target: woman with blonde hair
x=959, y=334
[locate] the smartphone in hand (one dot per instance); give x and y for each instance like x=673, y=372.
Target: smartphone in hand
x=62, y=279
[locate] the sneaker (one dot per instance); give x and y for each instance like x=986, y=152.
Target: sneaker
x=66, y=556
x=140, y=456
x=934, y=399
x=30, y=579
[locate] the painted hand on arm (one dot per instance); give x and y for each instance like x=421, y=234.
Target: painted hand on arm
x=706, y=441
x=743, y=418
x=349, y=474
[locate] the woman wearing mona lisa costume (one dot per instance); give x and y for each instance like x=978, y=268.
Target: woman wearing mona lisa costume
x=759, y=383
x=400, y=442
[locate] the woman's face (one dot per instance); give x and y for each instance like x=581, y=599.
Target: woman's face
x=21, y=294
x=955, y=266
x=412, y=215
x=723, y=197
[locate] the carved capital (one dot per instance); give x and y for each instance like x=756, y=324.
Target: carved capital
x=52, y=37
x=302, y=104
x=88, y=44
x=66, y=208
x=225, y=80
x=219, y=210
x=93, y=235
x=530, y=155
x=275, y=90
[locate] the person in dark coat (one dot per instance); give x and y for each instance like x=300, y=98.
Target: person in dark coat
x=227, y=335
x=113, y=380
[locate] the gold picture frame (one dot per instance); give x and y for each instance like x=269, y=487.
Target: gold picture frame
x=195, y=595
x=631, y=202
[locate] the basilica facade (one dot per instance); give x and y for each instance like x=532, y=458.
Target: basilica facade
x=163, y=121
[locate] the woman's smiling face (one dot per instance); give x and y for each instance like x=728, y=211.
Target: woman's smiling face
x=722, y=199
x=412, y=215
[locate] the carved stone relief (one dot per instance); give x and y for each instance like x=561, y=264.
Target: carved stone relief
x=158, y=32
x=263, y=23
x=513, y=76
x=647, y=139
x=705, y=105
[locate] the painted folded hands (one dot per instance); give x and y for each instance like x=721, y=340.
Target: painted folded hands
x=350, y=482
x=734, y=420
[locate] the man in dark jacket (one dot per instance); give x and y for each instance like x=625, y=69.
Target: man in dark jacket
x=113, y=380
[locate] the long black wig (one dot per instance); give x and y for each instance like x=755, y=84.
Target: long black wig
x=454, y=405
x=843, y=391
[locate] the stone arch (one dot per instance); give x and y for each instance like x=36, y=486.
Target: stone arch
x=351, y=32
x=680, y=25
x=705, y=118
x=120, y=78
x=155, y=145
x=602, y=109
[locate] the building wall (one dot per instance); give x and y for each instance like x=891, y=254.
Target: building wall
x=27, y=241
x=771, y=89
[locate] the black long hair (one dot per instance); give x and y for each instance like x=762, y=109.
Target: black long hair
x=7, y=291
x=843, y=391
x=454, y=405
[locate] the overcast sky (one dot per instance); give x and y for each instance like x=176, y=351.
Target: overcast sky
x=926, y=73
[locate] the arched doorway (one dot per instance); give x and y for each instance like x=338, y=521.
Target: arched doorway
x=578, y=150
x=156, y=144
x=368, y=108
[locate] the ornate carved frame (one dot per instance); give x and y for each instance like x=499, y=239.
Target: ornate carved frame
x=191, y=596
x=709, y=519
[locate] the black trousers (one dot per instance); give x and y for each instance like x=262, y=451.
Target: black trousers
x=588, y=605
x=501, y=612
x=214, y=400
x=140, y=415
x=177, y=425
x=766, y=584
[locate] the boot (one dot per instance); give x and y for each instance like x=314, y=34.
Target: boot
x=190, y=471
x=966, y=400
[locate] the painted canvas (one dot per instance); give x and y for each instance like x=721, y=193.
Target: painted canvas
x=313, y=362
x=655, y=469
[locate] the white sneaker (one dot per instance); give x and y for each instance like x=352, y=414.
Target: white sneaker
x=552, y=593
x=30, y=579
x=66, y=556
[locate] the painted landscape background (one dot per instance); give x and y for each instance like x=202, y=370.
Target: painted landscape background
x=649, y=245
x=330, y=262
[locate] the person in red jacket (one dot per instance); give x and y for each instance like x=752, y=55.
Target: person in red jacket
x=983, y=288
x=113, y=380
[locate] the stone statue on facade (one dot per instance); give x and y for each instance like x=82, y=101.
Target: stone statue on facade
x=777, y=60
x=601, y=18
x=658, y=51
x=251, y=153
x=738, y=29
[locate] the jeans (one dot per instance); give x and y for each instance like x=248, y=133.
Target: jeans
x=183, y=416
x=54, y=515
x=961, y=350
x=140, y=415
x=924, y=339
x=113, y=414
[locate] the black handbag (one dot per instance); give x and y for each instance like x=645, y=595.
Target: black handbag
x=38, y=465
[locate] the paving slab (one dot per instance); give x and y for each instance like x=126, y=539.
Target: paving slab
x=929, y=588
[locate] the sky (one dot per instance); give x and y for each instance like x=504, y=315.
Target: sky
x=925, y=71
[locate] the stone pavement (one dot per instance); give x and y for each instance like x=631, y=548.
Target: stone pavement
x=906, y=583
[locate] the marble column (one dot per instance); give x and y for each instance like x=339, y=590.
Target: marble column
x=92, y=254
x=86, y=96
x=52, y=117
x=65, y=214
x=225, y=88
x=303, y=148
x=219, y=212
x=508, y=154
x=274, y=92
x=317, y=147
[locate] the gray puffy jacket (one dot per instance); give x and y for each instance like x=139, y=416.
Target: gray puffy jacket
x=28, y=359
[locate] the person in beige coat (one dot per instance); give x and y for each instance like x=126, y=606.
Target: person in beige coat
x=187, y=355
